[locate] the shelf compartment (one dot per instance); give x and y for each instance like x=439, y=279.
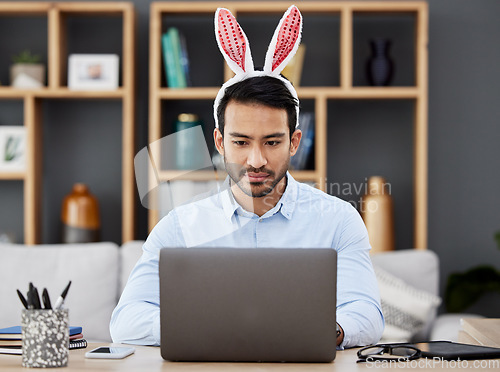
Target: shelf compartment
x=395, y=27
x=16, y=28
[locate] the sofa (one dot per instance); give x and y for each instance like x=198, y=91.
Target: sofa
x=99, y=272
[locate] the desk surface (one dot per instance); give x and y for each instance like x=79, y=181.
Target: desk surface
x=149, y=359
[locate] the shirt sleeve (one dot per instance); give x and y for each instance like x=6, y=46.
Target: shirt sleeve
x=136, y=318
x=358, y=299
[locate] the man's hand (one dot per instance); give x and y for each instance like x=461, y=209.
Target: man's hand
x=340, y=334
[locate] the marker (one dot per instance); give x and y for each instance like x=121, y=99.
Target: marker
x=61, y=298
x=46, y=299
x=23, y=300
x=36, y=299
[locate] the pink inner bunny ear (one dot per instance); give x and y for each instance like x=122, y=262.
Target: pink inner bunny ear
x=232, y=41
x=285, y=41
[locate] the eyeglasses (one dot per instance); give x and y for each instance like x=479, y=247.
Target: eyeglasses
x=388, y=352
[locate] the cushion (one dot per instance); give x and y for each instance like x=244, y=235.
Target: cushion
x=406, y=309
x=92, y=268
x=418, y=268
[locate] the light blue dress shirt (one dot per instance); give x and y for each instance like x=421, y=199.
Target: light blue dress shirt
x=304, y=217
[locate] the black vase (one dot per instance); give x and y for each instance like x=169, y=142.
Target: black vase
x=380, y=67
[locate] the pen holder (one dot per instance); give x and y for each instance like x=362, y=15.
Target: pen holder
x=45, y=335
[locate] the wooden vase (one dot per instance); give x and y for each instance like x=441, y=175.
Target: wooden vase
x=378, y=215
x=80, y=216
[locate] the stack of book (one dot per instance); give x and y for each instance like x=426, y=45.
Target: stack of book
x=480, y=331
x=301, y=158
x=175, y=59
x=11, y=340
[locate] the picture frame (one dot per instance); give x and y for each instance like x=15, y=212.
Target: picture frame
x=12, y=148
x=93, y=71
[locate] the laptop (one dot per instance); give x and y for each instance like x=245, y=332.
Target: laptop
x=248, y=304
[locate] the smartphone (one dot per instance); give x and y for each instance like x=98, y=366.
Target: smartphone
x=110, y=352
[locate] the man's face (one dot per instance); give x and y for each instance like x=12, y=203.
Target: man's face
x=256, y=146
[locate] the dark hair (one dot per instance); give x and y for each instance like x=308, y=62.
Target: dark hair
x=265, y=90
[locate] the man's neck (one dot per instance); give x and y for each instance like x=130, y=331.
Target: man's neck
x=259, y=205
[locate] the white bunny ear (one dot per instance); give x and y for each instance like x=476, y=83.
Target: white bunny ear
x=285, y=41
x=233, y=42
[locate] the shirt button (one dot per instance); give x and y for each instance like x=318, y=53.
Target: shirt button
x=260, y=219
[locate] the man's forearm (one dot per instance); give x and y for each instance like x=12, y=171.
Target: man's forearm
x=136, y=323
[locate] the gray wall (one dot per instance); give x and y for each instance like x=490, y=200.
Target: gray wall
x=365, y=138
x=464, y=132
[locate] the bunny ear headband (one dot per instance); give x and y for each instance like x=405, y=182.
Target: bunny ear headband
x=234, y=46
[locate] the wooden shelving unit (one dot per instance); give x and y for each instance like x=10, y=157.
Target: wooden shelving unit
x=346, y=12
x=56, y=14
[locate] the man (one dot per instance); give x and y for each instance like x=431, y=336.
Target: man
x=257, y=137
x=260, y=204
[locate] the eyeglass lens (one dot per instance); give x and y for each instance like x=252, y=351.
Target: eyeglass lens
x=382, y=351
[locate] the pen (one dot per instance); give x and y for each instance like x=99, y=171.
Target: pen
x=33, y=299
x=46, y=299
x=36, y=299
x=61, y=298
x=23, y=300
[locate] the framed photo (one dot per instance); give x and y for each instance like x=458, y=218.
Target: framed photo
x=12, y=148
x=93, y=71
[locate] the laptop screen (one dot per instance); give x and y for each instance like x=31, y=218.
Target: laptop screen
x=248, y=304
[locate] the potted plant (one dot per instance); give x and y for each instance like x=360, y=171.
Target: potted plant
x=27, y=71
x=464, y=289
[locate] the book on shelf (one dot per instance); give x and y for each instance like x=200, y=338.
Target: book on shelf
x=293, y=70
x=306, y=124
x=11, y=339
x=17, y=349
x=15, y=332
x=185, y=59
x=169, y=61
x=10, y=343
x=11, y=350
x=175, y=58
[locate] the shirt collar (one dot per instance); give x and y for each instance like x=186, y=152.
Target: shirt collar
x=285, y=205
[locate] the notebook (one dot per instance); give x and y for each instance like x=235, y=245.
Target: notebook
x=448, y=350
x=255, y=304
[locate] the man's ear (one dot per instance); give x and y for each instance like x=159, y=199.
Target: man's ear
x=219, y=141
x=295, y=141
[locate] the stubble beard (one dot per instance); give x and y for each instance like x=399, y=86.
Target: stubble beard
x=255, y=189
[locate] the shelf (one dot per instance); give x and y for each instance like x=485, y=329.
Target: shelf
x=209, y=93
x=342, y=83
x=265, y=7
x=61, y=19
x=14, y=176
x=180, y=175
x=188, y=93
x=305, y=175
x=15, y=93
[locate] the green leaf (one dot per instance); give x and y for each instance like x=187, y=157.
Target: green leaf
x=497, y=239
x=26, y=57
x=464, y=289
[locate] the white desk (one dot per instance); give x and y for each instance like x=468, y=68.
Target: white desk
x=148, y=359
